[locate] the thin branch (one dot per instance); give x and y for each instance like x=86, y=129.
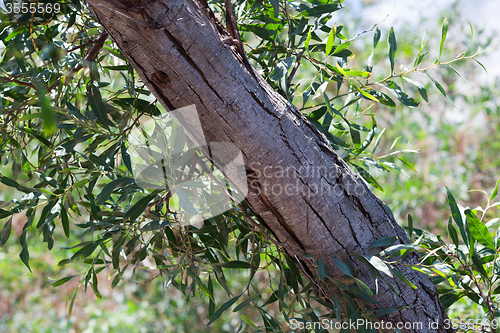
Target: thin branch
x=18, y=82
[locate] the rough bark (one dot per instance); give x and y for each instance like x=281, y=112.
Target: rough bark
x=319, y=206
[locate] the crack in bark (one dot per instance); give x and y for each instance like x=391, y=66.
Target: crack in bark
x=353, y=233
x=178, y=46
x=259, y=102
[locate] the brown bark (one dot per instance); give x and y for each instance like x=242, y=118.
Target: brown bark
x=326, y=209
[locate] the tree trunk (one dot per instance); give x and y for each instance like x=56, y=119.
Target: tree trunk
x=298, y=187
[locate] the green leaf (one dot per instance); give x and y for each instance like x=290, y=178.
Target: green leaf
x=376, y=37
x=281, y=69
x=63, y=280
x=478, y=230
x=343, y=267
x=336, y=306
x=139, y=207
x=211, y=303
x=403, y=278
x=480, y=64
x=495, y=192
x=24, y=255
x=369, y=178
x=249, y=322
x=64, y=262
x=440, y=88
x=420, y=56
x=362, y=286
x=9, y=182
x=342, y=47
x=70, y=311
x=330, y=40
x=86, y=251
x=98, y=107
x=110, y=187
x=308, y=39
x=453, y=233
x=49, y=180
x=420, y=87
x=367, y=95
x=246, y=302
x=444, y=32
x=448, y=300
x=126, y=158
x=463, y=78
x=276, y=7
x=99, y=161
x=379, y=264
x=457, y=216
x=234, y=264
x=384, y=241
x=401, y=95
x=393, y=46
x=397, y=248
x=184, y=201
x=65, y=221
x=320, y=10
x=317, y=114
x=321, y=269
x=355, y=136
x=49, y=125
x=16, y=32
x=375, y=146
x=478, y=264
x=5, y=232
x=223, y=308
x=410, y=226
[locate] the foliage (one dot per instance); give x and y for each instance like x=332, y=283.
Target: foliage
x=466, y=266
x=453, y=139
x=69, y=101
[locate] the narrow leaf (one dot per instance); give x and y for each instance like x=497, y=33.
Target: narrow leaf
x=420, y=87
x=495, y=192
x=444, y=32
x=246, y=302
x=308, y=39
x=410, y=226
x=330, y=40
x=453, y=233
x=393, y=46
x=110, y=187
x=223, y=308
x=403, y=278
x=235, y=264
x=5, y=232
x=343, y=267
x=384, y=241
x=63, y=280
x=139, y=207
x=457, y=216
x=379, y=264
x=65, y=221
